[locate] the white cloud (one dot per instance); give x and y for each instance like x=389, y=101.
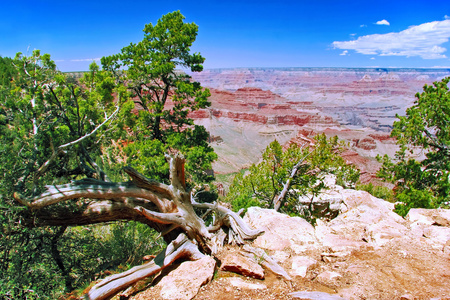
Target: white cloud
x=423, y=40
x=86, y=59
x=383, y=22
x=344, y=52
x=363, y=25
x=372, y=58
x=447, y=17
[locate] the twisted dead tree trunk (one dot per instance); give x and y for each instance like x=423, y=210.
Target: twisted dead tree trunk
x=279, y=199
x=170, y=209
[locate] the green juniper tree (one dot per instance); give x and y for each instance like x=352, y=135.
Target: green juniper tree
x=51, y=130
x=164, y=96
x=424, y=130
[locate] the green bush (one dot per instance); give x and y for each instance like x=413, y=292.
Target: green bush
x=378, y=191
x=415, y=199
x=264, y=182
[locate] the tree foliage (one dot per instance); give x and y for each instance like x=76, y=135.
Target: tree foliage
x=52, y=130
x=425, y=130
x=163, y=97
x=284, y=175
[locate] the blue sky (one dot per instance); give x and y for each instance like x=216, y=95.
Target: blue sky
x=241, y=33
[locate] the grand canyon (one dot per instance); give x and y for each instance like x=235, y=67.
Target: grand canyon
x=253, y=106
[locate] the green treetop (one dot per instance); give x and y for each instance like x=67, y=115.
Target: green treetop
x=425, y=130
x=164, y=96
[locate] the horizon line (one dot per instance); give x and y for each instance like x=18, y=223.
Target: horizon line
x=310, y=68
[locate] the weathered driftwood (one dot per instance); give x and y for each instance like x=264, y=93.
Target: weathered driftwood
x=170, y=209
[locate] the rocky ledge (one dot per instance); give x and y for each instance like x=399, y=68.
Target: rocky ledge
x=366, y=252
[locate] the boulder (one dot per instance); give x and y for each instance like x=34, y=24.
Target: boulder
x=433, y=224
x=439, y=217
x=184, y=282
x=280, y=231
x=247, y=266
x=365, y=220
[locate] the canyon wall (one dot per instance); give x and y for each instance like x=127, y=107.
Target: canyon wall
x=251, y=107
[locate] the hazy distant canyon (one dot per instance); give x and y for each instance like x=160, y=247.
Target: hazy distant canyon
x=251, y=107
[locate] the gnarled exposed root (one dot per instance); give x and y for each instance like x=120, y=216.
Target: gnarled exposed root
x=181, y=247
x=238, y=232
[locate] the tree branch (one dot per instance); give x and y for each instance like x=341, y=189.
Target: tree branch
x=92, y=132
x=277, y=201
x=87, y=188
x=143, y=182
x=176, y=167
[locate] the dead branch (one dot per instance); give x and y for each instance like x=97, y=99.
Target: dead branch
x=279, y=199
x=181, y=247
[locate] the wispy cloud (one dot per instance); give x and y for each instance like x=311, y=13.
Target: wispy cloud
x=383, y=22
x=86, y=59
x=344, y=52
x=423, y=40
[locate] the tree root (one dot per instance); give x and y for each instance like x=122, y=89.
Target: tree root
x=181, y=247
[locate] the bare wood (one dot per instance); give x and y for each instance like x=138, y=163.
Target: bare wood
x=170, y=209
x=93, y=131
x=279, y=199
x=146, y=183
x=179, y=248
x=230, y=219
x=266, y=261
x=176, y=167
x=163, y=218
x=91, y=188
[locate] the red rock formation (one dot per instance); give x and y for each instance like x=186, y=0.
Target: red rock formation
x=258, y=106
x=365, y=143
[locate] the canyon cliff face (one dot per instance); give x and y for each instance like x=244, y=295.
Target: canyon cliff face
x=251, y=107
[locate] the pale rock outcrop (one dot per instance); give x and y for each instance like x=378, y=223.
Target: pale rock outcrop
x=363, y=219
x=440, y=217
x=185, y=281
x=366, y=252
x=280, y=231
x=433, y=224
